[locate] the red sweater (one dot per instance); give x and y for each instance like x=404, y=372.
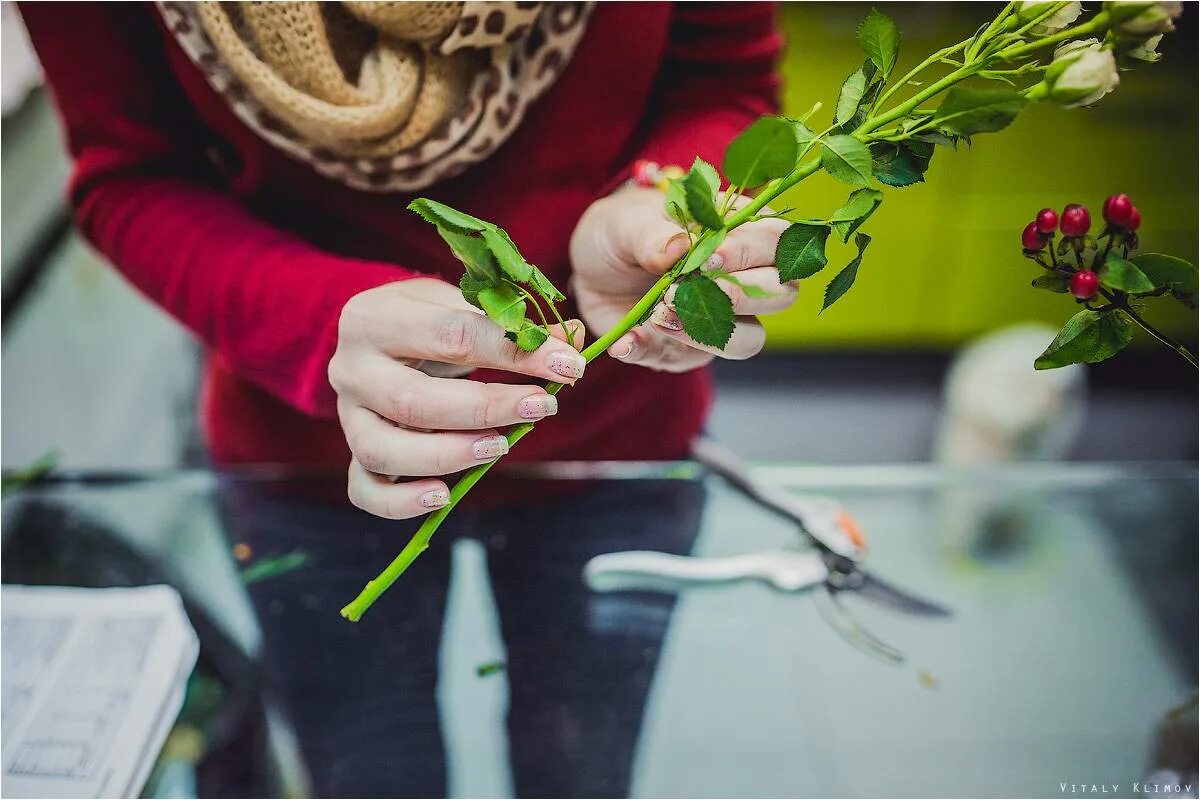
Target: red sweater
x=256, y=253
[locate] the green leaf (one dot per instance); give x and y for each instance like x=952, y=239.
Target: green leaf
x=767, y=149
x=443, y=216
x=507, y=255
x=857, y=94
x=850, y=96
x=846, y=159
x=676, y=202
x=703, y=249
x=471, y=288
x=705, y=311
x=748, y=289
x=880, y=39
x=504, y=306
x=1088, y=337
x=800, y=252
x=1124, y=276
x=1052, y=282
x=474, y=253
x=897, y=164
x=967, y=111
x=700, y=193
x=842, y=282
x=531, y=336
x=1168, y=271
x=860, y=205
x=709, y=173
x=542, y=285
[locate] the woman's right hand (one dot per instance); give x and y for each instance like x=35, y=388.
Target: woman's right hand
x=402, y=418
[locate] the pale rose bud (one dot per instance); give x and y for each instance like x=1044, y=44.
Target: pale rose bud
x=1137, y=18
x=1082, y=72
x=1146, y=50
x=1030, y=10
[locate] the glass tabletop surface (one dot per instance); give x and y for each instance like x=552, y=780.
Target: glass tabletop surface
x=492, y=668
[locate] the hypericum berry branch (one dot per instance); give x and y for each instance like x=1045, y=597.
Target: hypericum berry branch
x=772, y=156
x=1100, y=332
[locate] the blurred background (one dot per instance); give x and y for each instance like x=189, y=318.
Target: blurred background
x=97, y=374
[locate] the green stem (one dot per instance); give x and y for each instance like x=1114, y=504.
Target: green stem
x=419, y=542
x=1094, y=25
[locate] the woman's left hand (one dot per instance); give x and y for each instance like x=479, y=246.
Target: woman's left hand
x=625, y=242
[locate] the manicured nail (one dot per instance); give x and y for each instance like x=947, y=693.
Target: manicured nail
x=666, y=318
x=537, y=406
x=669, y=297
x=715, y=261
x=568, y=365
x=623, y=351
x=435, y=499
x=489, y=447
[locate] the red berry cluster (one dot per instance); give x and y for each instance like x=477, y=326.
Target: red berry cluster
x=1122, y=221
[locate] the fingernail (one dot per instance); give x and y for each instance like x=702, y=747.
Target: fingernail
x=435, y=499
x=715, y=261
x=623, y=352
x=669, y=297
x=489, y=447
x=568, y=365
x=679, y=237
x=666, y=318
x=537, y=406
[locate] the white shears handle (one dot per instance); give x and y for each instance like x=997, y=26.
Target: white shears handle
x=647, y=570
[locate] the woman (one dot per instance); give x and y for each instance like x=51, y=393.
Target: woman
x=247, y=167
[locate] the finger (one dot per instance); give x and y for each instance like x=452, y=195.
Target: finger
x=639, y=231
x=426, y=331
x=415, y=400
x=747, y=340
x=379, y=495
x=387, y=449
x=647, y=347
x=748, y=246
x=572, y=333
x=771, y=297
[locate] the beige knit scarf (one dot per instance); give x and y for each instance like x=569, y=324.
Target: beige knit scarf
x=383, y=96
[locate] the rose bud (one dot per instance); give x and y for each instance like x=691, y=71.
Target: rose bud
x=1118, y=210
x=1075, y=220
x=1031, y=239
x=1084, y=284
x=1029, y=10
x=1047, y=221
x=1082, y=72
x=1135, y=219
x=1139, y=18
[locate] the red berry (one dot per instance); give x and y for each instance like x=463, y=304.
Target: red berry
x=645, y=173
x=1047, y=221
x=1135, y=219
x=1075, y=220
x=1117, y=210
x=1084, y=284
x=1031, y=239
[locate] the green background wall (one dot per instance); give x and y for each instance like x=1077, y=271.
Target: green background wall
x=945, y=264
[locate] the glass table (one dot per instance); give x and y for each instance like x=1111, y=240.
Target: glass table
x=490, y=668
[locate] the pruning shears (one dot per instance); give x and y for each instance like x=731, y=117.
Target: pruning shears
x=831, y=556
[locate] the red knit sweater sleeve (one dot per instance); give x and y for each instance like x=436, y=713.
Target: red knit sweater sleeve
x=267, y=301
x=718, y=76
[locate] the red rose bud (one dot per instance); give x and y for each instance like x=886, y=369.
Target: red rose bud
x=1047, y=221
x=1135, y=219
x=1118, y=209
x=645, y=173
x=1084, y=284
x=1075, y=221
x=1031, y=239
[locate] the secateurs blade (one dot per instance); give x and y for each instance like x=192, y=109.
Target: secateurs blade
x=833, y=560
